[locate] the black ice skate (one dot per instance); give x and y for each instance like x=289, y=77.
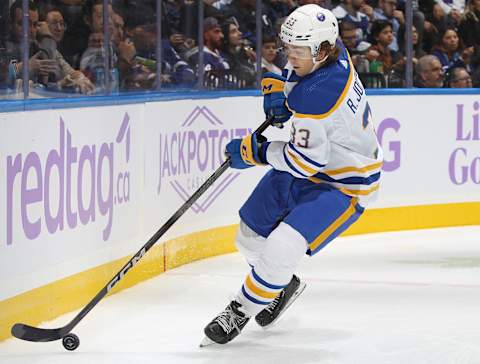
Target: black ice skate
x=274, y=310
x=226, y=326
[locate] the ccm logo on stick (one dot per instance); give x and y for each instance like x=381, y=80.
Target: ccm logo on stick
x=125, y=269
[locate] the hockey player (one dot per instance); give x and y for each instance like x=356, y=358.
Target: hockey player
x=320, y=181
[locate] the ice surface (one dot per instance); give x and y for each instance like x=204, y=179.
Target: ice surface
x=407, y=298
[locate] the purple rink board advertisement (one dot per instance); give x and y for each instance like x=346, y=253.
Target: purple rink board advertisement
x=70, y=186
x=81, y=187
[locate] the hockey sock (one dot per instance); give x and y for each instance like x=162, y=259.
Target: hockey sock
x=256, y=293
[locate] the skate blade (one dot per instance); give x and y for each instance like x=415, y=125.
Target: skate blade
x=295, y=295
x=207, y=342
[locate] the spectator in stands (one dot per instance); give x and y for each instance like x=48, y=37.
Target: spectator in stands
x=175, y=70
x=75, y=33
x=3, y=66
x=469, y=32
x=438, y=23
x=44, y=67
x=356, y=48
x=92, y=23
x=448, y=50
x=125, y=50
x=126, y=54
x=348, y=33
x=56, y=23
x=282, y=8
x=348, y=10
x=418, y=22
x=278, y=25
x=417, y=51
x=429, y=72
x=93, y=16
x=238, y=53
x=47, y=67
x=141, y=12
x=172, y=15
x=123, y=46
x=476, y=77
x=13, y=45
x=364, y=7
x=181, y=43
x=214, y=59
x=182, y=15
x=244, y=12
x=453, y=9
x=67, y=78
x=269, y=54
x=145, y=39
x=118, y=34
x=387, y=10
x=469, y=29
x=71, y=10
x=388, y=60
x=435, y=20
x=4, y=9
x=458, y=77
x=92, y=60
x=136, y=73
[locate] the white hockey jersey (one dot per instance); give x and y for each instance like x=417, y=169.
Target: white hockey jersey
x=333, y=139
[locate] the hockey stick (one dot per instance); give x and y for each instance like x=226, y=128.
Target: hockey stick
x=30, y=333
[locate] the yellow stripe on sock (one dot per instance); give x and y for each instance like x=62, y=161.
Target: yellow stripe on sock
x=258, y=291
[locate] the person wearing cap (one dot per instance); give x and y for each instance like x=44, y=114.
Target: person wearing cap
x=213, y=58
x=319, y=182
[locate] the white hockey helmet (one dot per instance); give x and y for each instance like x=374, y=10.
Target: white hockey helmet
x=310, y=25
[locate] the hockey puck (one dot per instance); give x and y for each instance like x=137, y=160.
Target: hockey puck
x=70, y=342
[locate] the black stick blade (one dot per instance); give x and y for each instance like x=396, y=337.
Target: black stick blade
x=30, y=333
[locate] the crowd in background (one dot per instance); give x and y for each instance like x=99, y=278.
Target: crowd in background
x=68, y=53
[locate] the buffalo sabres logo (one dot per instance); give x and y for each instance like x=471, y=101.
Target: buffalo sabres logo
x=321, y=17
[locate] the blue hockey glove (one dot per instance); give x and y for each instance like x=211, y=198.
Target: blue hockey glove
x=247, y=152
x=274, y=98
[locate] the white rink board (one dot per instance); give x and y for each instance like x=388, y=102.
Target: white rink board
x=61, y=223
x=431, y=148
x=419, y=135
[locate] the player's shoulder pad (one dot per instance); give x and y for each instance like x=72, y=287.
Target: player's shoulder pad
x=321, y=92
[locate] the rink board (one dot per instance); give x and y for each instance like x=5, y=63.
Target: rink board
x=83, y=189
